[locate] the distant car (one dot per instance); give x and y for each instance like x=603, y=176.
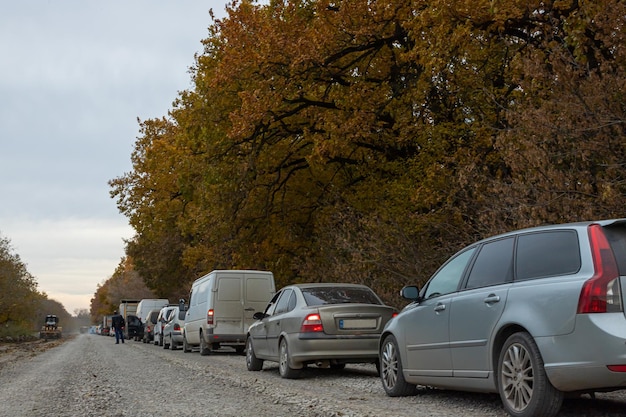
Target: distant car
x=148, y=325
x=173, y=329
x=324, y=324
x=532, y=315
x=158, y=326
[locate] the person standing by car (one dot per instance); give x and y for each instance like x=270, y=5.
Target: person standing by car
x=117, y=322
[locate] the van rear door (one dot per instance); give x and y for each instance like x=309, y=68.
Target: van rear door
x=228, y=317
x=258, y=291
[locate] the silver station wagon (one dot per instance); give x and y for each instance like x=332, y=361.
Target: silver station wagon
x=531, y=315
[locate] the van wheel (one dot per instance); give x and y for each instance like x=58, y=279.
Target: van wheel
x=283, y=362
x=252, y=362
x=205, y=349
x=524, y=388
x=186, y=348
x=391, y=370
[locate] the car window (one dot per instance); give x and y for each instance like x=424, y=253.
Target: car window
x=315, y=296
x=271, y=306
x=493, y=265
x=547, y=254
x=283, y=302
x=447, y=279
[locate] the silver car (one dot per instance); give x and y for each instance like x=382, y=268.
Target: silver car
x=324, y=324
x=173, y=329
x=531, y=315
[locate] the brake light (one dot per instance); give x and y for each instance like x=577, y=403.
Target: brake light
x=601, y=293
x=312, y=323
x=209, y=316
x=176, y=327
x=617, y=368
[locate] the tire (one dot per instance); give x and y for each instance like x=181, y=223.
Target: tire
x=205, y=348
x=283, y=362
x=186, y=348
x=523, y=385
x=391, y=373
x=252, y=362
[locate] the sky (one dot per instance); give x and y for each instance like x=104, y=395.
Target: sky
x=75, y=75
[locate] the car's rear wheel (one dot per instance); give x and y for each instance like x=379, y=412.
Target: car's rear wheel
x=252, y=362
x=522, y=382
x=283, y=362
x=391, y=370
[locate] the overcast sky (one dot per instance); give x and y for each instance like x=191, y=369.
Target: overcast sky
x=74, y=77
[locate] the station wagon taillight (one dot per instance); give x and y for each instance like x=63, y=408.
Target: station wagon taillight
x=312, y=323
x=601, y=293
x=209, y=316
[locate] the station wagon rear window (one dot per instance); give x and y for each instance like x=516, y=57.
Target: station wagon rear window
x=547, y=254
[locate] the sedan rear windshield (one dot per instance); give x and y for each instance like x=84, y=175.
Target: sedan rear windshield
x=339, y=295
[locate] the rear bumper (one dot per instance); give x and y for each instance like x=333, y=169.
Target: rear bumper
x=578, y=361
x=342, y=349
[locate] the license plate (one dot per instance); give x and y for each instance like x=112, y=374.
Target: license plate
x=357, y=324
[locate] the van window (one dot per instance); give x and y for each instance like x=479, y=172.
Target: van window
x=258, y=289
x=229, y=289
x=203, y=292
x=494, y=264
x=193, y=297
x=547, y=254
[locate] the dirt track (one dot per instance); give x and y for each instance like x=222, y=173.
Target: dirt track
x=91, y=376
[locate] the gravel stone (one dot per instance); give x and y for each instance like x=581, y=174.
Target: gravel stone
x=89, y=375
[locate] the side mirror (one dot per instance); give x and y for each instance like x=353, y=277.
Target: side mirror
x=259, y=315
x=410, y=292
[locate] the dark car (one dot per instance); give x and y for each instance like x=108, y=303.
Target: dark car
x=148, y=325
x=134, y=328
x=328, y=325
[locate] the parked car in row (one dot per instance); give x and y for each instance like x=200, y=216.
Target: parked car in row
x=158, y=326
x=532, y=315
x=148, y=325
x=324, y=324
x=173, y=328
x=221, y=305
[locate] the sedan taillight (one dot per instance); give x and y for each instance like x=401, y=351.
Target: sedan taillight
x=312, y=323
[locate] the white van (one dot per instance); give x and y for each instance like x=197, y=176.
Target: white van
x=221, y=305
x=148, y=304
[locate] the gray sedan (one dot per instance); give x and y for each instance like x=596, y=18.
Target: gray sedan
x=328, y=325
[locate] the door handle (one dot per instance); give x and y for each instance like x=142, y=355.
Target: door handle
x=492, y=298
x=440, y=307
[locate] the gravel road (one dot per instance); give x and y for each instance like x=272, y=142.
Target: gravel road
x=90, y=375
